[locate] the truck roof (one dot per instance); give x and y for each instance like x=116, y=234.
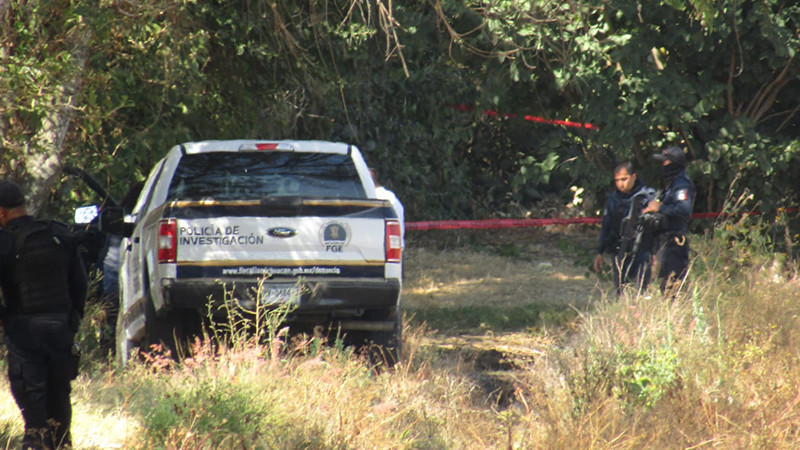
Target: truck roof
x=263, y=144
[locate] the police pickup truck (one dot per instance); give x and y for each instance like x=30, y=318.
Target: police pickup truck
x=260, y=221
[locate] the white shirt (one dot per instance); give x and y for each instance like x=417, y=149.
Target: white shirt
x=385, y=194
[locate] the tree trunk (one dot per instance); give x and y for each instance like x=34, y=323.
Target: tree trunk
x=44, y=153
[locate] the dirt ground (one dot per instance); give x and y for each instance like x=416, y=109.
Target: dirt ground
x=504, y=269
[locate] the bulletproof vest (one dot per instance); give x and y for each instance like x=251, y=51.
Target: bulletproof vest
x=40, y=269
x=623, y=205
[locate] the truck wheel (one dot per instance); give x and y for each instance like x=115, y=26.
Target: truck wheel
x=123, y=345
x=174, y=331
x=158, y=330
x=382, y=347
x=387, y=346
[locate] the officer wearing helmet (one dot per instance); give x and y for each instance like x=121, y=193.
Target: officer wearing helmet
x=675, y=205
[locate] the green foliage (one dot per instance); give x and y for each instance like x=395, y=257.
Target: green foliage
x=638, y=376
x=645, y=376
x=649, y=368
x=748, y=239
x=218, y=413
x=718, y=78
x=654, y=75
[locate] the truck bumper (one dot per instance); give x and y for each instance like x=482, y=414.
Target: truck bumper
x=333, y=297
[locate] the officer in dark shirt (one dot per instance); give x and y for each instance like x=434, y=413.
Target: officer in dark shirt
x=629, y=264
x=44, y=286
x=676, y=204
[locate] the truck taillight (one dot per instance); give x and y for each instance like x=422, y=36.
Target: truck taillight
x=394, y=241
x=167, y=240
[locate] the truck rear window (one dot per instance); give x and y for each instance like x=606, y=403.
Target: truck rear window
x=255, y=175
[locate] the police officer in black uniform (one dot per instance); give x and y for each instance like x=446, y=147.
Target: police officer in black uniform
x=629, y=265
x=44, y=286
x=675, y=205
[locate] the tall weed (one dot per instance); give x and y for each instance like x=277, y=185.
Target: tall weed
x=713, y=364
x=239, y=327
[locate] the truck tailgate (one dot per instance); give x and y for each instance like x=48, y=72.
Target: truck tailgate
x=336, y=239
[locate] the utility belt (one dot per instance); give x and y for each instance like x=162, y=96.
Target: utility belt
x=20, y=322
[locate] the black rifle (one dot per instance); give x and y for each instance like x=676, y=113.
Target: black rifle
x=633, y=232
x=635, y=224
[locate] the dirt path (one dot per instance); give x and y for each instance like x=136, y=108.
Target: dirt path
x=467, y=296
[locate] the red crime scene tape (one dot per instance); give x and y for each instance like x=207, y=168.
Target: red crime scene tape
x=566, y=123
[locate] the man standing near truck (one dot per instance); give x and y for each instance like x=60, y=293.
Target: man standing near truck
x=44, y=284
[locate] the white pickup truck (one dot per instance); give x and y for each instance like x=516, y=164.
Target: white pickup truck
x=300, y=217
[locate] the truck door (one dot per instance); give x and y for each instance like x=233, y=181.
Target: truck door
x=131, y=279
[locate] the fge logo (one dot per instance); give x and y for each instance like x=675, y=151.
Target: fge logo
x=334, y=236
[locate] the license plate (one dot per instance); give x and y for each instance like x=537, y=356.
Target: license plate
x=272, y=295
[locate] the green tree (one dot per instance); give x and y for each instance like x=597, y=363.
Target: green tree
x=110, y=86
x=718, y=78
x=43, y=55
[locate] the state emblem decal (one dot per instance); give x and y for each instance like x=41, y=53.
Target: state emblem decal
x=335, y=236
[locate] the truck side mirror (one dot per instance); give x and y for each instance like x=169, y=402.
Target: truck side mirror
x=86, y=214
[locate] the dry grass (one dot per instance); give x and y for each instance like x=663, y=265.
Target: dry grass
x=715, y=365
x=441, y=278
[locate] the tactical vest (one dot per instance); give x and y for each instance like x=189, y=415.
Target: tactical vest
x=40, y=269
x=637, y=200
x=619, y=213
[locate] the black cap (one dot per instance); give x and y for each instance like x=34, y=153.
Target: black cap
x=674, y=154
x=10, y=195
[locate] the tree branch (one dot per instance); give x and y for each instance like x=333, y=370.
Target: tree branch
x=789, y=117
x=771, y=92
x=729, y=94
x=765, y=97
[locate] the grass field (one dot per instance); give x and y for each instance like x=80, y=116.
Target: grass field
x=509, y=343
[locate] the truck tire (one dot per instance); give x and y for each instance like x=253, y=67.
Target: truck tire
x=123, y=345
x=388, y=345
x=383, y=347
x=174, y=331
x=157, y=330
